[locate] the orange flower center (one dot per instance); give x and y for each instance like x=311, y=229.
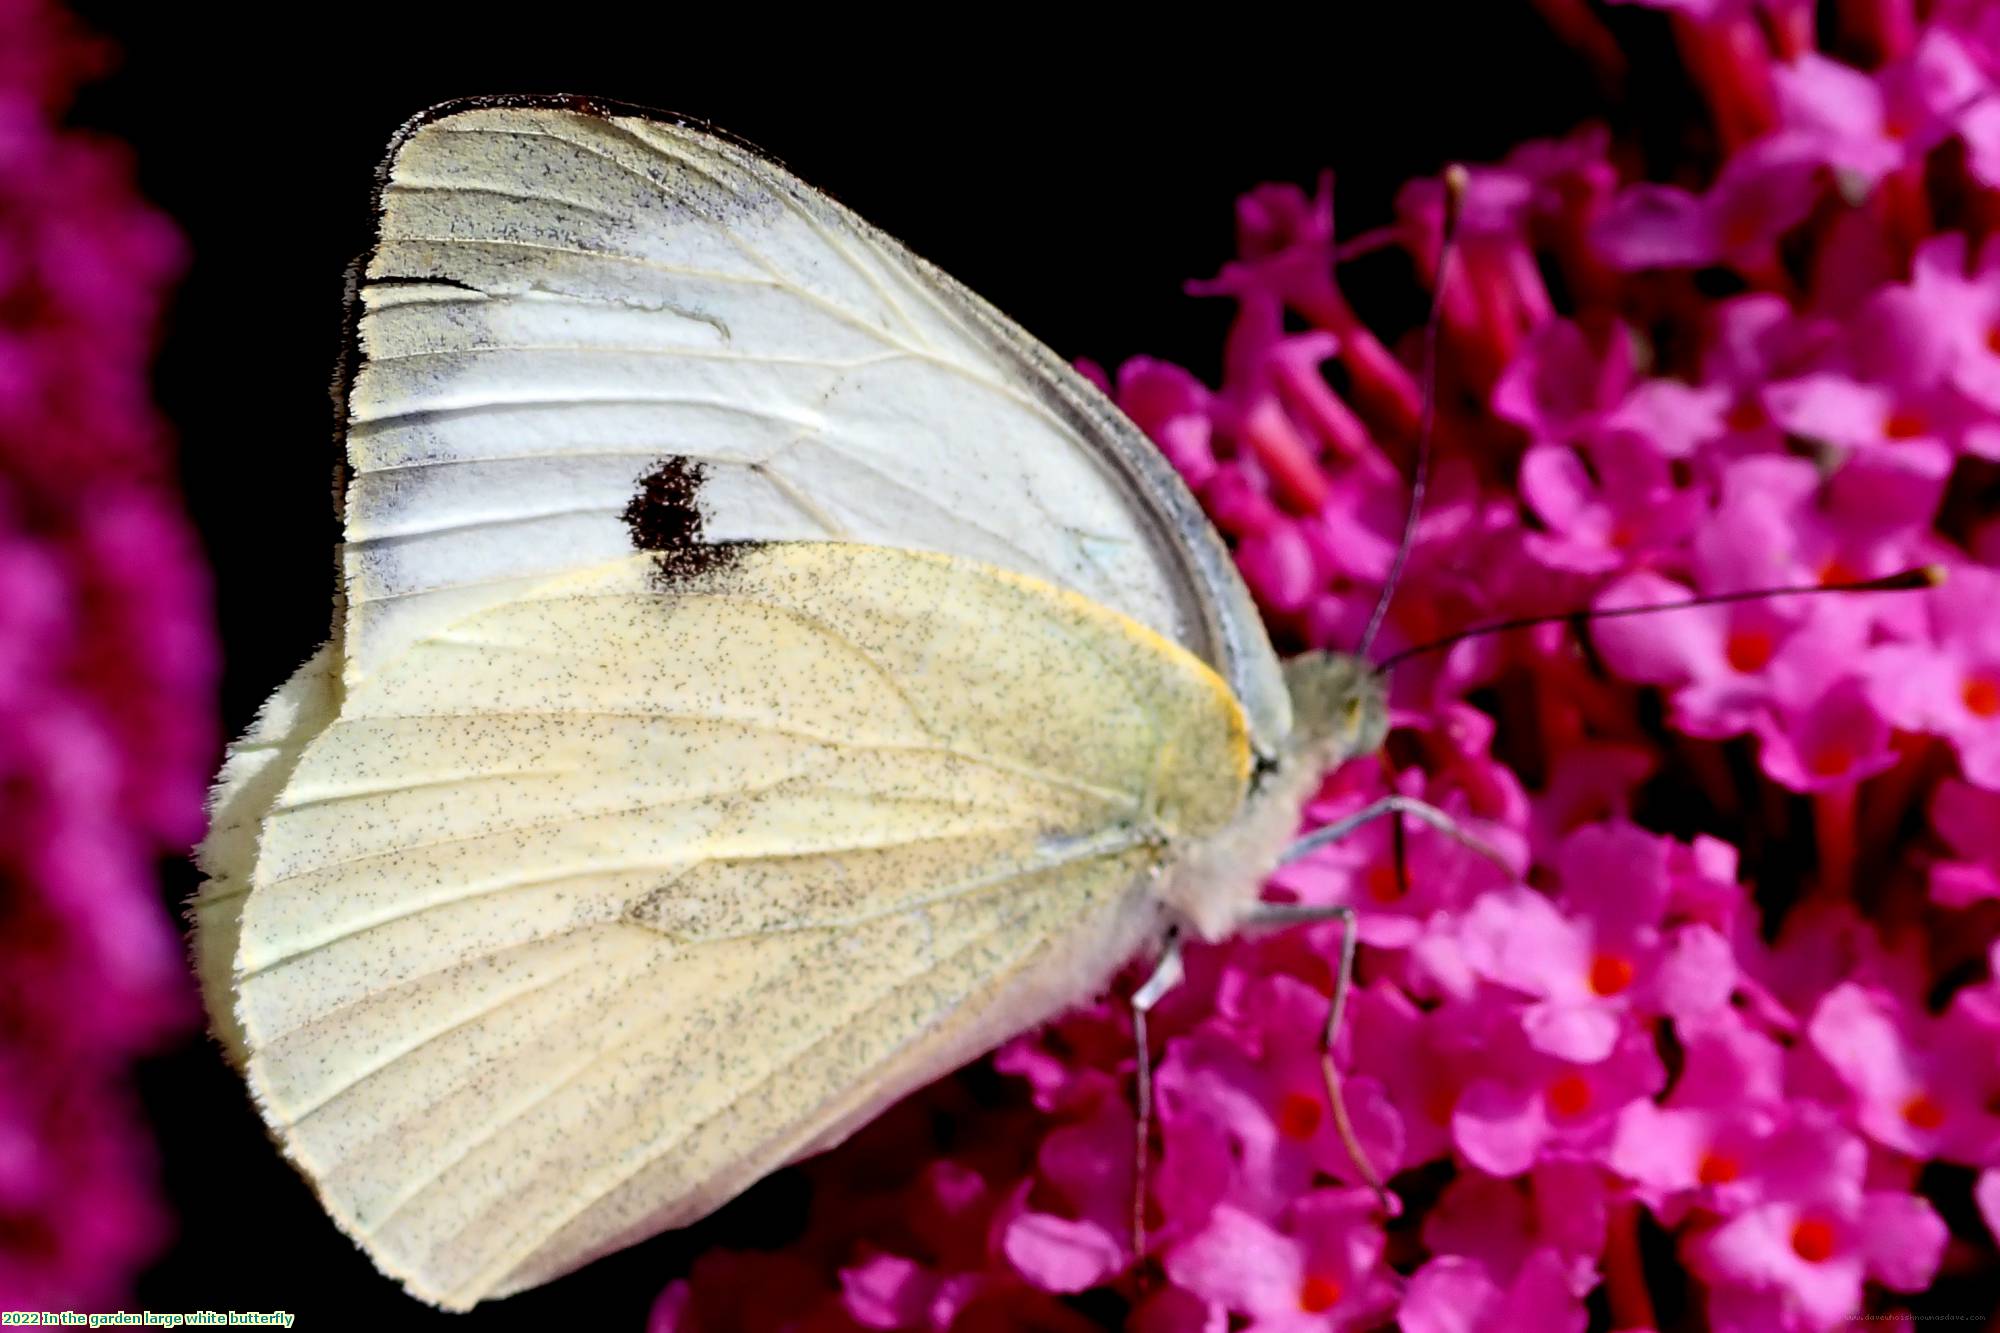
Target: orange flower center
x=1982, y=696
x=1718, y=1168
x=1831, y=760
x=1837, y=571
x=1380, y=883
x=1610, y=973
x=1318, y=1293
x=1298, y=1115
x=1906, y=423
x=1749, y=649
x=1813, y=1239
x=1923, y=1112
x=1569, y=1095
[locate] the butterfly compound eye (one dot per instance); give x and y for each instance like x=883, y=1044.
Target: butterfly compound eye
x=1336, y=703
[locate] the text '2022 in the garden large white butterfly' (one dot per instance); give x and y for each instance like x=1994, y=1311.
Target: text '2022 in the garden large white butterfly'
x=763, y=679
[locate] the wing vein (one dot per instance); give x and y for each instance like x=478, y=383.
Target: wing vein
x=542, y=1229
x=327, y=1097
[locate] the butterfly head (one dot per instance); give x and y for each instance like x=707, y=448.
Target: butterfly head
x=1339, y=706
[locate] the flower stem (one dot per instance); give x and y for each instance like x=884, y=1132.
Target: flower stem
x=1833, y=831
x=1625, y=1273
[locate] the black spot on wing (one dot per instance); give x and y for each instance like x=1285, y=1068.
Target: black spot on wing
x=665, y=518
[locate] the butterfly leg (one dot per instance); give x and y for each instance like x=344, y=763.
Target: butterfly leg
x=1166, y=975
x=1289, y=914
x=1294, y=914
x=1395, y=805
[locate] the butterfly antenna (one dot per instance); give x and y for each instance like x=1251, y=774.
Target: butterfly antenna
x=1909, y=580
x=1455, y=179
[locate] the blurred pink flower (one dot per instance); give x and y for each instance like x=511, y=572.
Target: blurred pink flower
x=107, y=667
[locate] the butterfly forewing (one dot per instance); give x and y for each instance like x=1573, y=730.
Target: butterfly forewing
x=559, y=297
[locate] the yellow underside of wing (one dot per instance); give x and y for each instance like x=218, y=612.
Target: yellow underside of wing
x=599, y=904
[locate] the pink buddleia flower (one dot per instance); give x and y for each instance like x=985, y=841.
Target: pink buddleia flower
x=1560, y=1209
x=1820, y=736
x=1835, y=113
x=1968, y=819
x=1439, y=873
x=1959, y=298
x=1730, y=972
x=1696, y=1149
x=1821, y=945
x=1724, y=664
x=1987, y=1192
x=1068, y=1233
x=1866, y=127
x=1949, y=685
x=1925, y=1087
x=107, y=671
x=1560, y=386
x=1530, y=1105
x=1174, y=408
x=1588, y=781
x=1246, y=1088
x=1422, y=1059
x=1803, y=1252
x=1320, y=1273
x=1761, y=195
x=1601, y=954
x=1605, y=506
x=1453, y=1294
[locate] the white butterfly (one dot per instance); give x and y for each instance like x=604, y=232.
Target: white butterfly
x=764, y=678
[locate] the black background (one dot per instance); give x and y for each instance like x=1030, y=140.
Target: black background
x=1075, y=179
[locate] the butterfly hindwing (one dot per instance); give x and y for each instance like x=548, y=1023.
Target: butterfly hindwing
x=258, y=766
x=597, y=904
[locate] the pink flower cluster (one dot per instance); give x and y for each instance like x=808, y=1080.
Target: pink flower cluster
x=1723, y=1049
x=107, y=671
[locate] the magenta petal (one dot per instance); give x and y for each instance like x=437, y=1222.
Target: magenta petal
x=1278, y=565
x=1655, y=226
x=1540, y=1298
x=1673, y=418
x=1555, y=481
x=1696, y=976
x=1904, y=1239
x=1450, y=1294
x=1057, y=1254
x=670, y=1309
x=1499, y=1128
x=1968, y=819
x=1517, y=938
x=1756, y=1249
x=1831, y=407
x=1855, y=1032
x=888, y=1291
x=1659, y=1148
x=1661, y=649
x=1580, y=1033
x=1987, y=1193
x=1241, y=1262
